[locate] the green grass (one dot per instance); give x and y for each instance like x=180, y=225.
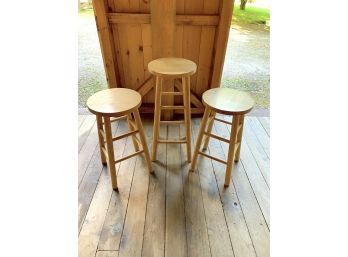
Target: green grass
x=251, y=15
x=86, y=12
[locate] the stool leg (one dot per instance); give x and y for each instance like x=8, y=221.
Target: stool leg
x=111, y=157
x=143, y=140
x=101, y=138
x=231, y=149
x=239, y=137
x=130, y=126
x=199, y=138
x=157, y=117
x=187, y=114
x=209, y=128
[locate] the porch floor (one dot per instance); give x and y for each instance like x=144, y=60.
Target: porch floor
x=174, y=212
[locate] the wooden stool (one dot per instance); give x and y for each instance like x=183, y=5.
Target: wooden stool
x=172, y=68
x=121, y=103
x=229, y=102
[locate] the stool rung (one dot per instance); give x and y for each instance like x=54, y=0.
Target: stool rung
x=168, y=141
x=171, y=107
x=116, y=119
x=224, y=121
x=129, y=156
x=212, y=157
x=138, y=141
x=125, y=135
x=172, y=93
x=172, y=121
x=217, y=137
x=105, y=152
x=102, y=133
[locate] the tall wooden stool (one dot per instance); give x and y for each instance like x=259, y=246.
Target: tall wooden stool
x=172, y=68
x=229, y=102
x=120, y=103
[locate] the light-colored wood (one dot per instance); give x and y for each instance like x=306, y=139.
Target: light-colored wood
x=163, y=23
x=239, y=137
x=132, y=234
x=85, y=130
x=92, y=226
x=219, y=241
x=137, y=18
x=154, y=234
x=157, y=117
x=231, y=149
x=134, y=128
x=215, y=136
x=209, y=127
x=172, y=122
x=194, y=99
x=199, y=138
x=223, y=121
x=196, y=227
x=265, y=124
x=187, y=115
x=127, y=134
x=112, y=229
x=239, y=232
x=143, y=140
x=212, y=157
x=221, y=38
x=254, y=218
x=260, y=134
x=115, y=101
x=106, y=254
x=129, y=156
x=213, y=217
x=175, y=237
x=101, y=138
x=111, y=157
x=228, y=101
x=106, y=43
x=172, y=67
x=168, y=141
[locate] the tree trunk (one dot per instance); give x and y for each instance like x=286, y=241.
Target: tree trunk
x=243, y=4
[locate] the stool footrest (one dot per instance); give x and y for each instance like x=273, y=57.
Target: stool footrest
x=172, y=121
x=125, y=135
x=217, y=137
x=212, y=157
x=116, y=119
x=223, y=121
x=129, y=156
x=171, y=107
x=169, y=141
x=172, y=93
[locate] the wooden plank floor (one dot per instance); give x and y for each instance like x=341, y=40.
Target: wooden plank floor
x=175, y=212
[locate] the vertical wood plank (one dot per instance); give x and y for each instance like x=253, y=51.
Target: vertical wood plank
x=237, y=227
x=118, y=54
x=220, y=243
x=205, y=59
x=114, y=221
x=211, y=6
x=132, y=236
x=175, y=241
x=190, y=48
x=144, y=6
x=154, y=233
x=106, y=43
x=147, y=52
x=163, y=14
x=221, y=38
x=196, y=226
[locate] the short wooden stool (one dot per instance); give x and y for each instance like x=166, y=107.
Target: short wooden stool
x=172, y=68
x=120, y=103
x=229, y=102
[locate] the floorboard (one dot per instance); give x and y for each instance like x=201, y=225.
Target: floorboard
x=174, y=212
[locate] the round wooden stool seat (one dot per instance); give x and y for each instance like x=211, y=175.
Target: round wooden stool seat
x=172, y=67
x=228, y=101
x=114, y=102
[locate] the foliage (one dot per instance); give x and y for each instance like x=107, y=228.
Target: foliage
x=251, y=15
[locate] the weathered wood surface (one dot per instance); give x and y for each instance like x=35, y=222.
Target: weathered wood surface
x=176, y=212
